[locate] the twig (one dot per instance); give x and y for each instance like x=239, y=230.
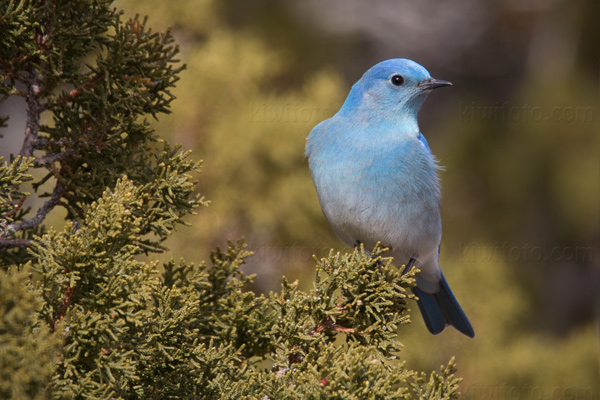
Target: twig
x=34, y=108
x=11, y=243
x=62, y=310
x=53, y=158
x=16, y=209
x=41, y=143
x=39, y=217
x=67, y=98
x=328, y=325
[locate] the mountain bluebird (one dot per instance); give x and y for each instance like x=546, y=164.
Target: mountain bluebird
x=377, y=180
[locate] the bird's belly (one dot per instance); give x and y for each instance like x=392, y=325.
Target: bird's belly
x=408, y=222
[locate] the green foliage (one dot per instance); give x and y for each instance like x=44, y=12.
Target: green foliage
x=11, y=197
x=91, y=80
x=28, y=350
x=12, y=200
x=195, y=331
x=442, y=386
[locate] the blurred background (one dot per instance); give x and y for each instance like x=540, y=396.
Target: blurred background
x=518, y=133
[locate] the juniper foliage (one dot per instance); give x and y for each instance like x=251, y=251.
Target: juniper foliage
x=82, y=315
x=90, y=82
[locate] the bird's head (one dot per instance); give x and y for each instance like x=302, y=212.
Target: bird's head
x=393, y=88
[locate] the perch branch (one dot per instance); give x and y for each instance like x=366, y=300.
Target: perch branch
x=30, y=223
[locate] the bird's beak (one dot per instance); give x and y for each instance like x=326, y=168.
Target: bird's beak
x=432, y=83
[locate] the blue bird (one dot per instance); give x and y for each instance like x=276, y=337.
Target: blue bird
x=377, y=180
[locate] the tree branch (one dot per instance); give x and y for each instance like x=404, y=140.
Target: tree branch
x=53, y=158
x=34, y=109
x=41, y=143
x=11, y=243
x=39, y=217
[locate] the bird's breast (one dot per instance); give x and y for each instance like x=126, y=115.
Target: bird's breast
x=388, y=193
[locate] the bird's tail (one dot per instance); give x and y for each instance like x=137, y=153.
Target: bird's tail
x=442, y=309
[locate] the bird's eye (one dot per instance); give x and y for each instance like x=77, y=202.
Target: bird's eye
x=397, y=80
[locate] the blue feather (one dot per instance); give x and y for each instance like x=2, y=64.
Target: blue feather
x=441, y=309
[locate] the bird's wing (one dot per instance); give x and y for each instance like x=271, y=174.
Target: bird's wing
x=424, y=141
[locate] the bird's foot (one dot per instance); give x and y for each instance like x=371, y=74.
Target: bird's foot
x=410, y=265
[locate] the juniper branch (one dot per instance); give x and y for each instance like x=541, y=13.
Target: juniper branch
x=34, y=109
x=48, y=160
x=30, y=223
x=73, y=94
x=11, y=243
